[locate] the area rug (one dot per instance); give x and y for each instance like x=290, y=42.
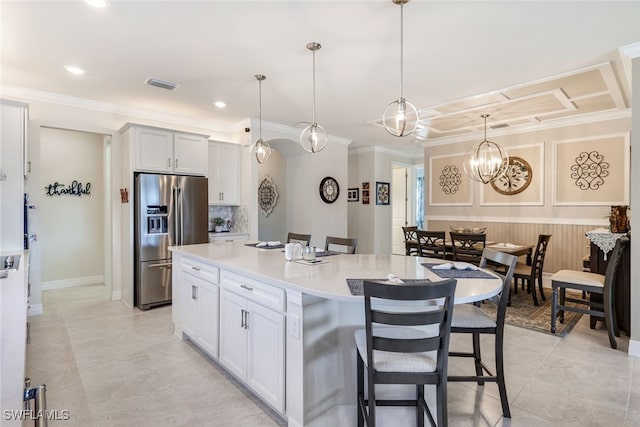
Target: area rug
x=524, y=314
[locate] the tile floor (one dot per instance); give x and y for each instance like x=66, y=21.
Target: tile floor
x=109, y=365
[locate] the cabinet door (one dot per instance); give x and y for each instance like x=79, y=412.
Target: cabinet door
x=229, y=173
x=153, y=150
x=233, y=337
x=208, y=318
x=265, y=354
x=190, y=154
x=224, y=173
x=189, y=305
x=213, y=157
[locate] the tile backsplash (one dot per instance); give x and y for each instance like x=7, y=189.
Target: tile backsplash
x=237, y=216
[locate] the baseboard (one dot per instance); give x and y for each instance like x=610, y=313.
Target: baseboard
x=634, y=348
x=35, y=310
x=116, y=295
x=70, y=283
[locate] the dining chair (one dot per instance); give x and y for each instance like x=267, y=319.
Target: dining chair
x=592, y=283
x=471, y=319
x=431, y=243
x=468, y=246
x=393, y=350
x=410, y=240
x=305, y=239
x=339, y=244
x=531, y=273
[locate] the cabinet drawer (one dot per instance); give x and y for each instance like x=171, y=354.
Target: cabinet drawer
x=262, y=293
x=202, y=270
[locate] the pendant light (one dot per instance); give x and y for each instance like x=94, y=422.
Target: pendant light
x=313, y=138
x=485, y=161
x=261, y=150
x=400, y=117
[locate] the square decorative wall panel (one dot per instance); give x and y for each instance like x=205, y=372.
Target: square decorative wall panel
x=448, y=184
x=592, y=171
x=523, y=183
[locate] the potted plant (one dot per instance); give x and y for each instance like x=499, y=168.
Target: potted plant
x=218, y=224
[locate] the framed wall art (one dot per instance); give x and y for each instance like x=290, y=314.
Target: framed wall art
x=448, y=184
x=365, y=193
x=591, y=171
x=383, y=193
x=523, y=182
x=353, y=194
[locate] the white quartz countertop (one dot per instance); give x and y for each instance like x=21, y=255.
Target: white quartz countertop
x=327, y=279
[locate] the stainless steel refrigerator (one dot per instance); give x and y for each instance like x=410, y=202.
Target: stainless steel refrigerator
x=170, y=210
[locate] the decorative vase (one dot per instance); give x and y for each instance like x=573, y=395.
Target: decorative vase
x=618, y=220
x=218, y=228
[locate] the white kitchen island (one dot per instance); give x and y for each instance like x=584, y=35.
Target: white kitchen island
x=285, y=328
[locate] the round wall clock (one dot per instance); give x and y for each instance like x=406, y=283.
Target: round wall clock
x=329, y=190
x=515, y=179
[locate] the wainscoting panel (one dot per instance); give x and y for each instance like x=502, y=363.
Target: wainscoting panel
x=567, y=247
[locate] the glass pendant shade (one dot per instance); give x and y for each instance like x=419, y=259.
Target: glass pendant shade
x=485, y=161
x=313, y=138
x=260, y=150
x=400, y=118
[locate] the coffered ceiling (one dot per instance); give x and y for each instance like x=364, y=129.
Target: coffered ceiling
x=593, y=89
x=523, y=62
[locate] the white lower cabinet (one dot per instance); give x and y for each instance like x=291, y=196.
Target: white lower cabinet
x=199, y=308
x=252, y=336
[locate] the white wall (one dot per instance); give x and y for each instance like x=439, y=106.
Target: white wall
x=371, y=223
x=72, y=227
x=545, y=212
x=306, y=212
x=274, y=226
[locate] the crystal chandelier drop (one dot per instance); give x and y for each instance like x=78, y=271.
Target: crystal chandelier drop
x=260, y=150
x=400, y=117
x=485, y=161
x=314, y=138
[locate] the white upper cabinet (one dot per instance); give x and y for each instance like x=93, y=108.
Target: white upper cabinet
x=224, y=173
x=160, y=150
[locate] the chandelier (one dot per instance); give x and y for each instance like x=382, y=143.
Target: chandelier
x=314, y=138
x=400, y=117
x=485, y=161
x=261, y=150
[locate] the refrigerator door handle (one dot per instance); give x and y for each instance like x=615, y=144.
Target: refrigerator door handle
x=181, y=207
x=177, y=217
x=166, y=264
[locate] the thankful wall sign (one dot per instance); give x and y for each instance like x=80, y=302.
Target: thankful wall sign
x=76, y=188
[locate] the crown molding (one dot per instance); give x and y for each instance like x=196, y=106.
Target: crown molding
x=631, y=50
x=385, y=150
x=287, y=131
x=551, y=124
x=105, y=107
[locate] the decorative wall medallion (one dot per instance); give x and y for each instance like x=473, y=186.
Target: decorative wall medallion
x=450, y=179
x=267, y=195
x=515, y=179
x=589, y=170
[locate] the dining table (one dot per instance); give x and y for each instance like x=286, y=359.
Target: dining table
x=517, y=249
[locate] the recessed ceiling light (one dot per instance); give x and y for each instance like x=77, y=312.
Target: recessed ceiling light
x=220, y=104
x=96, y=3
x=74, y=69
